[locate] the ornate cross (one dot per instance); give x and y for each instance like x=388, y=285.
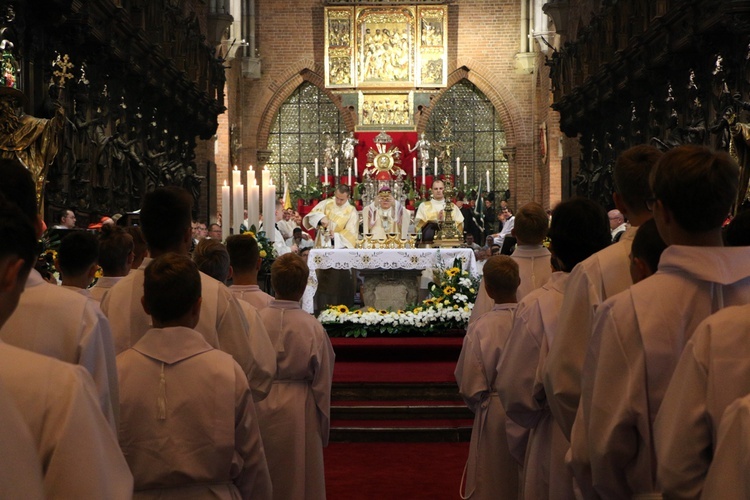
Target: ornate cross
x=62, y=74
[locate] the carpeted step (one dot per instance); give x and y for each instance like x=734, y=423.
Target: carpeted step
x=392, y=391
x=395, y=371
x=397, y=349
x=438, y=431
x=398, y=410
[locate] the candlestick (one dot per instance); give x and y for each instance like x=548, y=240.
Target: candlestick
x=414, y=168
x=225, y=211
x=337, y=168
x=350, y=177
x=424, y=178
x=325, y=176
x=316, y=168
x=465, y=176
x=304, y=177
x=356, y=172
x=488, y=182
x=436, y=168
x=458, y=168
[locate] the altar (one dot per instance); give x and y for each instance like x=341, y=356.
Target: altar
x=387, y=260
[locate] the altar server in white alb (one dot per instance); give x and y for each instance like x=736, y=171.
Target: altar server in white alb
x=54, y=321
x=189, y=427
x=491, y=469
x=279, y=242
x=579, y=228
x=434, y=209
x=597, y=278
x=116, y=254
x=640, y=333
x=295, y=417
x=532, y=257
x=386, y=216
x=165, y=220
x=336, y=218
x=245, y=259
x=51, y=417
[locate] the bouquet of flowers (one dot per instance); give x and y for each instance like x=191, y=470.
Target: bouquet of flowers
x=452, y=296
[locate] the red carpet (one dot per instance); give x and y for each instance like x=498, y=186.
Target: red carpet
x=385, y=471
x=382, y=371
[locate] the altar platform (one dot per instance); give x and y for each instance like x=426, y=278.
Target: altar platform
x=386, y=260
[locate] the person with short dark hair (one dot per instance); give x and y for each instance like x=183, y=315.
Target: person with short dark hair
x=212, y=258
x=646, y=251
x=67, y=219
x=431, y=212
x=77, y=260
x=55, y=321
x=492, y=469
x=295, y=417
x=71, y=429
x=214, y=231
x=215, y=448
x=641, y=332
x=244, y=256
x=299, y=240
x=115, y=258
x=579, y=228
x=165, y=221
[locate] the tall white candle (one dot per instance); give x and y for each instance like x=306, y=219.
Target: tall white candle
x=458, y=168
x=238, y=206
x=337, y=168
x=304, y=177
x=414, y=168
x=325, y=176
x=349, y=183
x=265, y=178
x=355, y=167
x=489, y=189
x=269, y=212
x=316, y=168
x=424, y=177
x=465, y=176
x=225, y=209
x=253, y=213
x=436, y=168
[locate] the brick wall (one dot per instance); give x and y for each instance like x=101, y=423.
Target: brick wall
x=484, y=38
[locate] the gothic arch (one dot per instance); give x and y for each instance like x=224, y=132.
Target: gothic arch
x=498, y=94
x=303, y=71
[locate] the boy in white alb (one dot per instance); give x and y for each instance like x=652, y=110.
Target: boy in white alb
x=295, y=417
x=188, y=424
x=491, y=470
x=244, y=257
x=116, y=254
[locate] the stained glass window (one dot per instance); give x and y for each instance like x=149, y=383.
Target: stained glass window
x=475, y=124
x=298, y=134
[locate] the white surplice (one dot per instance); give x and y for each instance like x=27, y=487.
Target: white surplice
x=592, y=281
x=491, y=470
x=65, y=325
x=295, y=417
x=77, y=447
x=252, y=294
x=189, y=427
x=102, y=286
x=263, y=369
x=429, y=211
x=522, y=394
x=727, y=477
x=222, y=322
x=713, y=371
x=637, y=340
x=20, y=466
x=534, y=270
x=342, y=220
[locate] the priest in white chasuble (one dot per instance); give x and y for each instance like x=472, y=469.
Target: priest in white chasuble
x=434, y=209
x=337, y=217
x=386, y=216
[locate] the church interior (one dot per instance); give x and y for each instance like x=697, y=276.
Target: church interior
x=247, y=102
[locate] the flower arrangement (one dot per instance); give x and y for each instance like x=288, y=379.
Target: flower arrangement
x=452, y=296
x=312, y=191
x=267, y=251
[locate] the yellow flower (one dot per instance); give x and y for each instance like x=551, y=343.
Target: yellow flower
x=358, y=312
x=455, y=307
x=99, y=272
x=472, y=290
x=449, y=290
x=342, y=309
x=417, y=310
x=263, y=254
x=401, y=311
x=383, y=311
x=452, y=272
x=428, y=302
x=371, y=310
x=250, y=233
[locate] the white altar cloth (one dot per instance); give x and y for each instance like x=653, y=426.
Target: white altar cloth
x=412, y=258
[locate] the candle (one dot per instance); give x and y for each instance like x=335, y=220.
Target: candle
x=236, y=177
x=349, y=183
x=356, y=172
x=253, y=211
x=489, y=189
x=465, y=176
x=316, y=168
x=436, y=168
x=270, y=209
x=224, y=211
x=414, y=168
x=424, y=178
x=337, y=168
x=325, y=176
x=304, y=177
x=265, y=178
x=238, y=203
x=458, y=168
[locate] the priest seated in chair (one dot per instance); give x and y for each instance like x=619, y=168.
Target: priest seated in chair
x=385, y=216
x=431, y=214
